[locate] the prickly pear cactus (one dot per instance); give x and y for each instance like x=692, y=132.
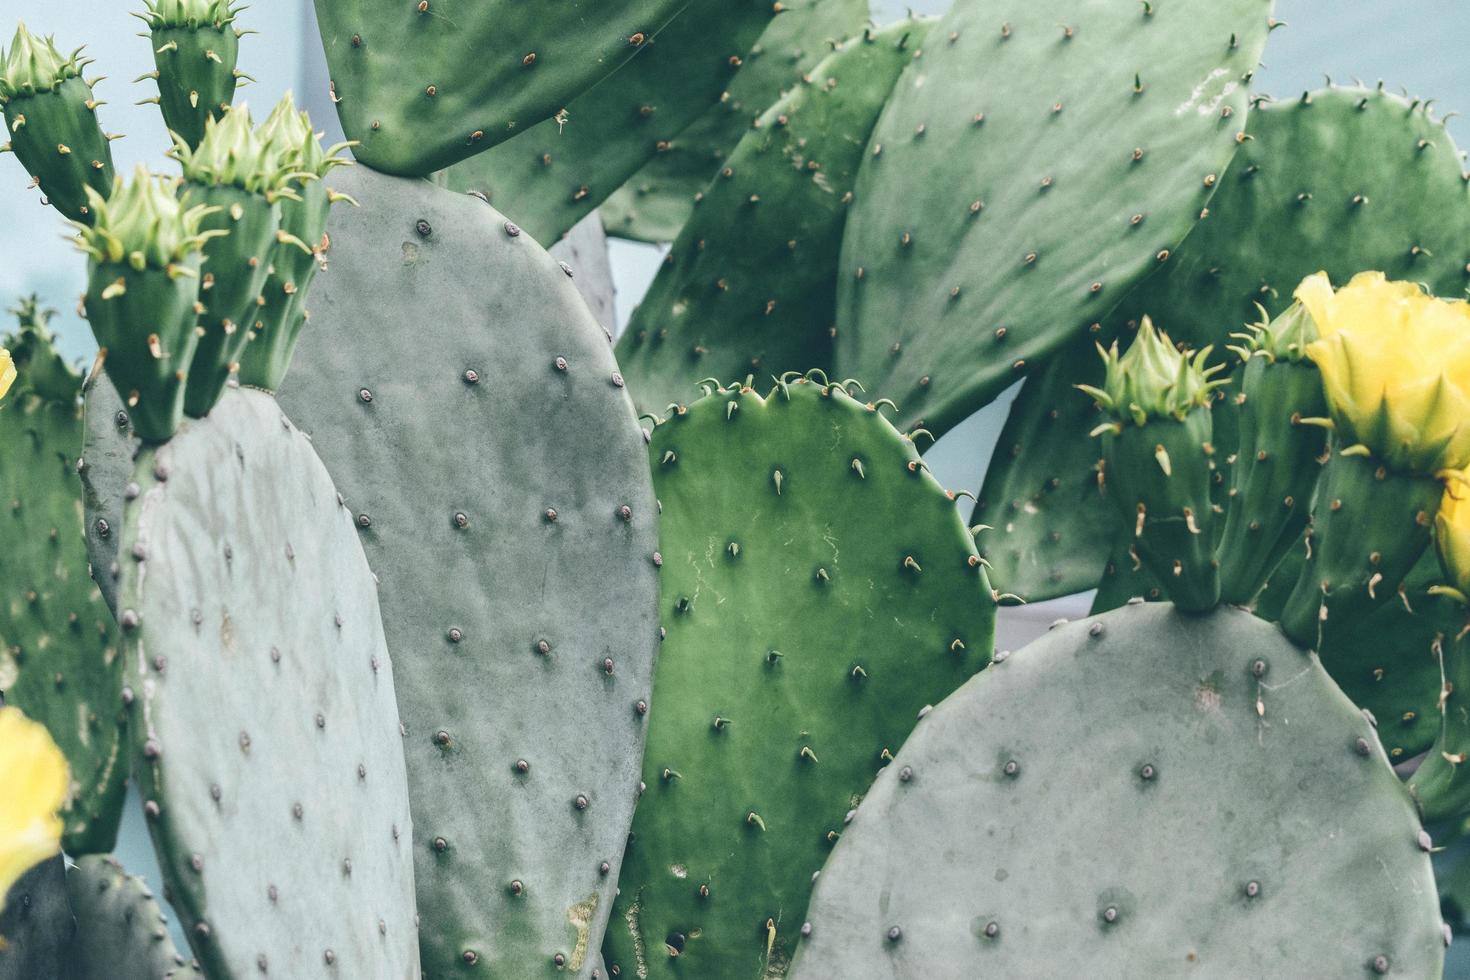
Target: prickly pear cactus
x=36, y=924
x=266, y=737
x=1032, y=218
x=493, y=465
x=51, y=118
x=751, y=283
x=820, y=589
x=424, y=84
x=122, y=933
x=106, y=467
x=1023, y=831
x=1397, y=203
x=59, y=660
x=562, y=168
x=584, y=250
x=657, y=201
x=195, y=47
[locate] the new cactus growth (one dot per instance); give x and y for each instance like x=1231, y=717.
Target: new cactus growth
x=265, y=733
x=819, y=590
x=1279, y=450
x=423, y=84
x=1143, y=793
x=1395, y=366
x=277, y=323
x=195, y=48
x=242, y=176
x=491, y=458
x=1157, y=444
x=657, y=201
x=561, y=169
x=59, y=660
x=144, y=249
x=122, y=931
x=751, y=283
x=51, y=119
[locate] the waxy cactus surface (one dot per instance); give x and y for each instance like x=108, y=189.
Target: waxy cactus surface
x=124, y=934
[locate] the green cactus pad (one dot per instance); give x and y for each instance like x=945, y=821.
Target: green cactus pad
x=1062, y=154
x=123, y=934
x=36, y=923
x=266, y=737
x=490, y=455
x=751, y=283
x=819, y=589
x=656, y=201
x=51, y=118
x=1141, y=794
x=106, y=467
x=1294, y=202
x=59, y=660
x=562, y=168
x=423, y=84
x=1441, y=784
x=195, y=48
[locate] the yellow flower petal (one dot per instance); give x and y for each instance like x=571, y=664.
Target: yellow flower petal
x=1395, y=366
x=34, y=777
x=1452, y=532
x=7, y=372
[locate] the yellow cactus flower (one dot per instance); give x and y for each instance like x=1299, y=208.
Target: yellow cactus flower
x=1452, y=532
x=7, y=372
x=1395, y=365
x=34, y=776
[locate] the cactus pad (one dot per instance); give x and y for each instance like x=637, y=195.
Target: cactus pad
x=562, y=168
x=657, y=201
x=106, y=467
x=819, y=589
x=1242, y=822
x=36, y=923
x=123, y=933
x=195, y=48
x=751, y=283
x=489, y=454
x=1291, y=204
x=1065, y=153
x=585, y=252
x=268, y=750
x=422, y=84
x=59, y=660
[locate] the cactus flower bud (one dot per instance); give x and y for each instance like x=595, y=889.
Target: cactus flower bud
x=1395, y=366
x=1452, y=534
x=35, y=787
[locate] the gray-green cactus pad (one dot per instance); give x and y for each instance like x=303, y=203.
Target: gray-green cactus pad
x=656, y=201
x=1341, y=180
x=36, y=924
x=1037, y=164
x=471, y=412
x=584, y=251
x=122, y=934
x=106, y=466
x=266, y=736
x=1142, y=794
x=59, y=659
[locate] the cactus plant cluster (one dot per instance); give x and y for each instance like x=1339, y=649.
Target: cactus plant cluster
x=429, y=656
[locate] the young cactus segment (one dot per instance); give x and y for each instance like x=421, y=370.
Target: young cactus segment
x=276, y=323
x=500, y=485
x=243, y=176
x=51, y=119
x=656, y=202
x=1141, y=794
x=780, y=203
x=195, y=48
x=819, y=590
x=266, y=738
x=1157, y=444
x=59, y=660
x=36, y=924
x=1395, y=365
x=1279, y=456
x=123, y=933
x=1291, y=203
x=145, y=247
x=551, y=176
x=423, y=84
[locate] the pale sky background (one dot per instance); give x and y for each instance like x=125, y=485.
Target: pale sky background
x=1420, y=46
